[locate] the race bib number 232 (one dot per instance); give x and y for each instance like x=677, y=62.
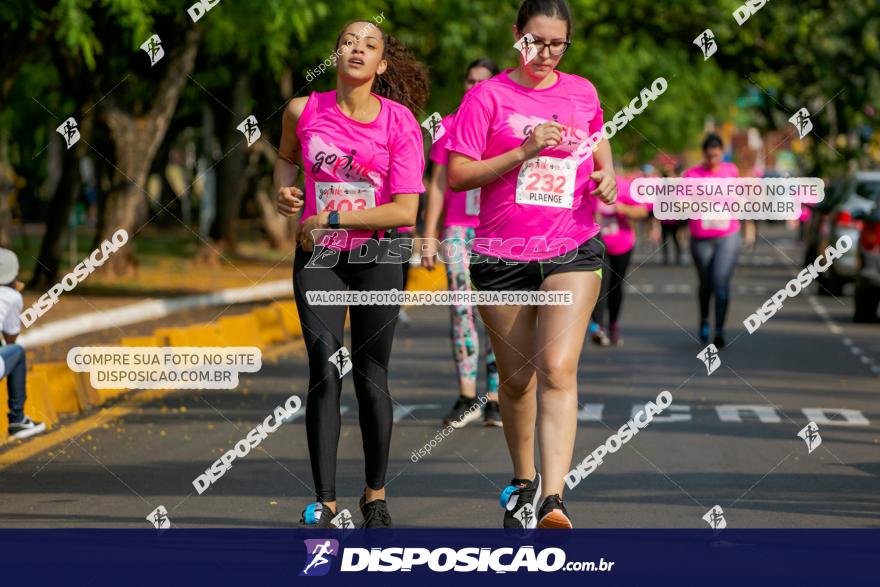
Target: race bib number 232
x=546, y=181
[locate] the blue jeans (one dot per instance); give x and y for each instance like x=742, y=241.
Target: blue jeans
x=715, y=259
x=15, y=371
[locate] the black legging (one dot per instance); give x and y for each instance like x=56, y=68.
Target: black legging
x=670, y=232
x=372, y=333
x=613, y=273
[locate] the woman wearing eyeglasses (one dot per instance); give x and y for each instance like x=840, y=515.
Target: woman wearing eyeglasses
x=515, y=137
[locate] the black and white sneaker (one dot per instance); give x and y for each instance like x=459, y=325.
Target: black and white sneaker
x=321, y=516
x=519, y=501
x=492, y=414
x=553, y=513
x=26, y=428
x=465, y=411
x=375, y=513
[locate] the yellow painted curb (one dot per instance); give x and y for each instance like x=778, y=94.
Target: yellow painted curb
x=54, y=388
x=65, y=433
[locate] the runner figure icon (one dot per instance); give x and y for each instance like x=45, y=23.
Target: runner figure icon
x=318, y=556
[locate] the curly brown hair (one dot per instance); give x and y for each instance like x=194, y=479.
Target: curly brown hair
x=406, y=79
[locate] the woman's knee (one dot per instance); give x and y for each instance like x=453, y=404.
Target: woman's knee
x=518, y=384
x=557, y=373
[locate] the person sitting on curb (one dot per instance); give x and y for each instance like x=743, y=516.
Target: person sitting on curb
x=12, y=359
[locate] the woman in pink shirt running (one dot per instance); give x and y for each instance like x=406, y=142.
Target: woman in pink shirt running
x=517, y=137
x=457, y=212
x=715, y=245
x=361, y=150
x=619, y=236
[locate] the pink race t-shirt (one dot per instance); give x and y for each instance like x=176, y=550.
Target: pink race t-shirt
x=353, y=165
x=545, y=197
x=701, y=229
x=460, y=208
x=617, y=232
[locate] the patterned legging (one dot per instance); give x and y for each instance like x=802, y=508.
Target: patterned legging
x=456, y=249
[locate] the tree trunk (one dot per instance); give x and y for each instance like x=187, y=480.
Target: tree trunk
x=136, y=140
x=49, y=260
x=63, y=192
x=279, y=229
x=232, y=171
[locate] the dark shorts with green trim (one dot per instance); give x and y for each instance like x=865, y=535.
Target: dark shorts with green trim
x=490, y=273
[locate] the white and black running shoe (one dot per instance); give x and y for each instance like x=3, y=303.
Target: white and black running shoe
x=519, y=500
x=320, y=516
x=26, y=428
x=465, y=411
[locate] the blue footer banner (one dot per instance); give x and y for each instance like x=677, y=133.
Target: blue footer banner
x=421, y=557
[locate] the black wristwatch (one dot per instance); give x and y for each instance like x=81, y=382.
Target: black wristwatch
x=333, y=219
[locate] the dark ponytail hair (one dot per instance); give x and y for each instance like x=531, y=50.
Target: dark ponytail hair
x=405, y=79
x=712, y=140
x=552, y=8
x=485, y=63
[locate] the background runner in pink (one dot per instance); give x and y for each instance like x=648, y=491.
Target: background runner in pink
x=454, y=203
x=701, y=229
x=497, y=116
x=385, y=153
x=617, y=232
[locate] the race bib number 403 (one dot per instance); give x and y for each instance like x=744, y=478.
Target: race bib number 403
x=344, y=196
x=546, y=181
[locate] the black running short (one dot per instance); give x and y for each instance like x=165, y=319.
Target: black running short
x=496, y=274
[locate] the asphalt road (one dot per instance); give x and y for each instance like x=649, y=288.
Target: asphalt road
x=710, y=451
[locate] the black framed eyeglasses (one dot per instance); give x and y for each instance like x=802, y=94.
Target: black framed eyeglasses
x=557, y=48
